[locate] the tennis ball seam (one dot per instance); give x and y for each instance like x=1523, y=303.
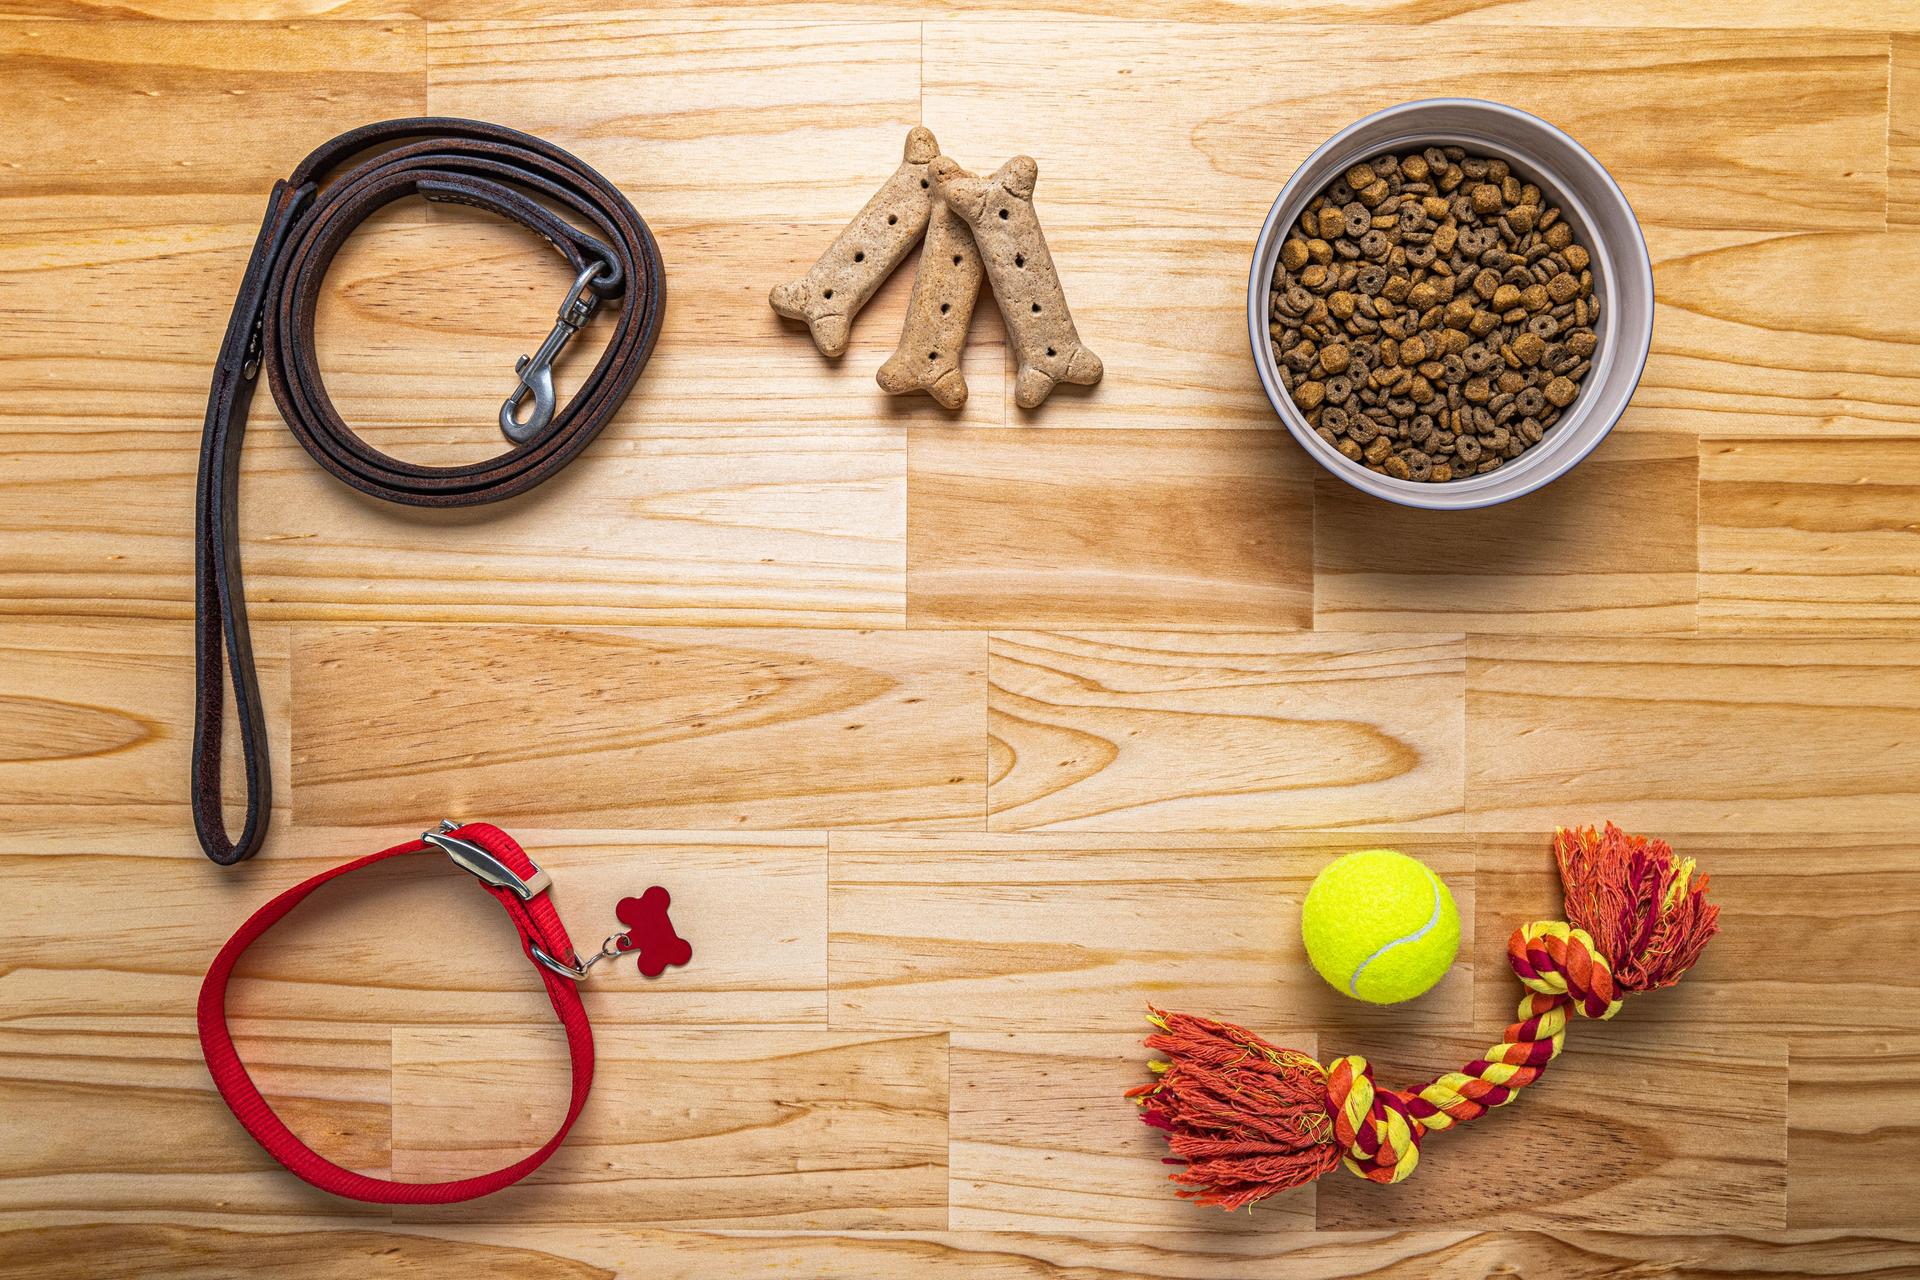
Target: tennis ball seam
x=1433, y=920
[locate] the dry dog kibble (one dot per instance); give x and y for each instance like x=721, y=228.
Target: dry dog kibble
x=944, y=291
x=999, y=209
x=1432, y=315
x=866, y=252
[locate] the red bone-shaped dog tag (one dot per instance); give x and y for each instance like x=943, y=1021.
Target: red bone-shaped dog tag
x=650, y=932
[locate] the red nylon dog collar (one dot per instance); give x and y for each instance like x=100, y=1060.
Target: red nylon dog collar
x=521, y=887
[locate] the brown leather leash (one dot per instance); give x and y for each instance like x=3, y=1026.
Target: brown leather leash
x=309, y=216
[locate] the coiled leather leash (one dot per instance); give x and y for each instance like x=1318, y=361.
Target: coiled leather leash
x=309, y=216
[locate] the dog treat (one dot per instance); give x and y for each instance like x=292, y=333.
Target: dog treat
x=944, y=291
x=865, y=254
x=1000, y=211
x=1432, y=315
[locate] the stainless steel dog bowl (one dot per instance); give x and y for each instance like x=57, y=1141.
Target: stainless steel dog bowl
x=1601, y=219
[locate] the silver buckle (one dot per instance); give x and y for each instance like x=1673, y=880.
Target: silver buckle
x=484, y=865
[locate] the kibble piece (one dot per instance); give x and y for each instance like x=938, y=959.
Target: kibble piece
x=1486, y=198
x=1308, y=395
x=1576, y=257
x=1293, y=254
x=1560, y=393
x=1334, y=358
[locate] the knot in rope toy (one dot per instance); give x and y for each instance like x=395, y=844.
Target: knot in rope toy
x=1247, y=1120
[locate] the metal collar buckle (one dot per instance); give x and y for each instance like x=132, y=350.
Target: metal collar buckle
x=483, y=864
x=497, y=873
x=536, y=371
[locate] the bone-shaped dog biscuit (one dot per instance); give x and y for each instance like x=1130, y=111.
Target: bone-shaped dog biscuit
x=1000, y=212
x=865, y=253
x=944, y=291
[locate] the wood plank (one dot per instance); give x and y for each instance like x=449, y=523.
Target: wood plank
x=1038, y=933
x=119, y=1114
x=740, y=483
x=100, y=718
x=1043, y=1140
x=1679, y=734
x=1834, y=905
x=134, y=124
x=637, y=728
x=1463, y=17
x=1733, y=358
x=703, y=121
x=580, y=1251
x=1610, y=545
x=1810, y=536
x=1158, y=732
x=1644, y=1130
x=1853, y=1145
x=106, y=933
x=1659, y=107
x=1903, y=131
x=1111, y=528
x=798, y=1129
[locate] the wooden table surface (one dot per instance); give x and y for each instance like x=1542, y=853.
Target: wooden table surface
x=957, y=739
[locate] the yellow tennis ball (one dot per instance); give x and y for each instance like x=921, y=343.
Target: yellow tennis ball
x=1380, y=926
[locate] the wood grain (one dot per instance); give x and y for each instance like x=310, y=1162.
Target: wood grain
x=1853, y=15
x=98, y=721
x=799, y=1129
x=1620, y=1144
x=1903, y=132
x=121, y=1113
x=580, y=1251
x=1144, y=732
x=957, y=738
x=1608, y=546
x=1853, y=1146
x=1659, y=104
x=134, y=124
x=1806, y=922
x=378, y=948
x=1034, y=932
x=1735, y=354
x=1108, y=529
x=1810, y=536
x=1692, y=734
x=714, y=729
x=1043, y=1140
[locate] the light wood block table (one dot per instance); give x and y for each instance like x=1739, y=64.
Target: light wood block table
x=958, y=739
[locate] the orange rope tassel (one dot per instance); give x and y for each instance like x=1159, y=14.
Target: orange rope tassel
x=1246, y=1120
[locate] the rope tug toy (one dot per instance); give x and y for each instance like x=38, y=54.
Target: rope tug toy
x=1248, y=1120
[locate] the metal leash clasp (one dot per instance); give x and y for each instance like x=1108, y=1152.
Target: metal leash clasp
x=536, y=370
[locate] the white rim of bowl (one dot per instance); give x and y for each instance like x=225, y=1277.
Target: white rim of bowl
x=1408, y=493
